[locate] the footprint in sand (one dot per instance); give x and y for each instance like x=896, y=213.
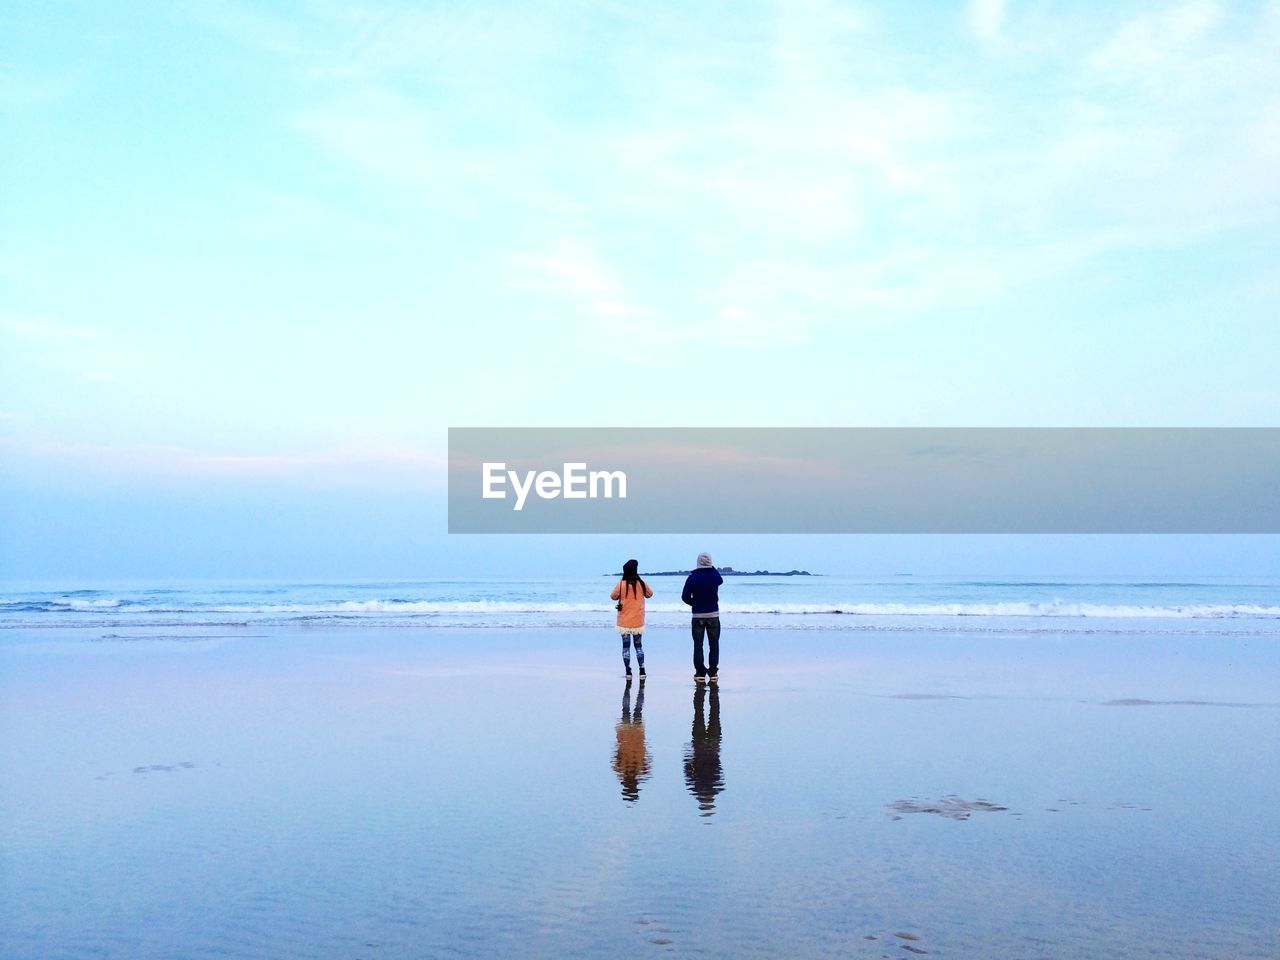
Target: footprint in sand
x=951, y=807
x=165, y=767
x=903, y=935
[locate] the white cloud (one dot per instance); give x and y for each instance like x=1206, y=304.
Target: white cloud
x=1147, y=47
x=986, y=21
x=388, y=136
x=24, y=89
x=364, y=466
x=574, y=276
x=1175, y=129
x=798, y=295
x=42, y=329
x=572, y=269
x=87, y=353
x=801, y=170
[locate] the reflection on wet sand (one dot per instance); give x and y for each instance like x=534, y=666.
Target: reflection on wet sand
x=631, y=758
x=702, y=771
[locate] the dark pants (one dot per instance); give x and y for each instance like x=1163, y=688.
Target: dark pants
x=710, y=626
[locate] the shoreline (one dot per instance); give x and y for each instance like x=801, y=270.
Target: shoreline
x=495, y=791
x=1151, y=666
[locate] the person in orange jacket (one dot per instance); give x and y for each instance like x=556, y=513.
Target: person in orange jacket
x=631, y=593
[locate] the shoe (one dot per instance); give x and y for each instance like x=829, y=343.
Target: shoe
x=628, y=673
x=700, y=678
x=642, y=673
x=713, y=679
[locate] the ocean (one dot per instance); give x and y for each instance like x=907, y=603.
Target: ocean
x=397, y=770
x=897, y=603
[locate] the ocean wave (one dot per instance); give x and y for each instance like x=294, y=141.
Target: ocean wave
x=532, y=608
x=1053, y=608
x=75, y=603
x=1010, y=627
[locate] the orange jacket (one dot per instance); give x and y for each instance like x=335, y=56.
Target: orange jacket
x=632, y=612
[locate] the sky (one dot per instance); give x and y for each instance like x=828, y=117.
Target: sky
x=256, y=258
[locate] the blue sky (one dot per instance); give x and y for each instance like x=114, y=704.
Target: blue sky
x=257, y=257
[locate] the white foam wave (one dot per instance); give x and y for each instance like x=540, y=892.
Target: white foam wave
x=533, y=607
x=1018, y=609
x=73, y=603
x=413, y=606
x=537, y=608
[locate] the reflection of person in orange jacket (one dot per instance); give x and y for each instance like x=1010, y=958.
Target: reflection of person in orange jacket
x=703, y=773
x=631, y=759
x=631, y=593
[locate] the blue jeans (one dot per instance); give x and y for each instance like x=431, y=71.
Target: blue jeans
x=710, y=626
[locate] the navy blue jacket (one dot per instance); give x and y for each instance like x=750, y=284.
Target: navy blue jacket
x=702, y=591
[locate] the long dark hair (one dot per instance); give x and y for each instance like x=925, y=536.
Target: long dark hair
x=631, y=578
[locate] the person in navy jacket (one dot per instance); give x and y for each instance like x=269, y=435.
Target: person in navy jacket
x=702, y=593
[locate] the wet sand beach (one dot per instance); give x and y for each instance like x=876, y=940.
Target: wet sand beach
x=402, y=792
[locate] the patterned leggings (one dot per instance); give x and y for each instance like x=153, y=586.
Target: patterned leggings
x=626, y=650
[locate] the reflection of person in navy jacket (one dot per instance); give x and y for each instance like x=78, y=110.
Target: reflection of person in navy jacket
x=702, y=592
x=703, y=773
